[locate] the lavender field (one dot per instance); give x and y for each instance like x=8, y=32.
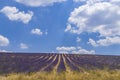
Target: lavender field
x=47, y=62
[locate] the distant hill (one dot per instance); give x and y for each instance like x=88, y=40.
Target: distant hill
x=25, y=62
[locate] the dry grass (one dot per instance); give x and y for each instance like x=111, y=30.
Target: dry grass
x=68, y=75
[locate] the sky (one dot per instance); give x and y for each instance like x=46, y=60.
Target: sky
x=60, y=26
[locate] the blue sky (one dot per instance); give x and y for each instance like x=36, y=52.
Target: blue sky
x=65, y=26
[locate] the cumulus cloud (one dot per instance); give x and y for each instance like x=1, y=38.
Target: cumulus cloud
x=75, y=50
x=105, y=42
x=88, y=1
x=92, y=42
x=78, y=39
x=4, y=41
x=95, y=18
x=15, y=15
x=23, y=46
x=3, y=50
x=99, y=16
x=45, y=32
x=36, y=3
x=36, y=31
x=65, y=49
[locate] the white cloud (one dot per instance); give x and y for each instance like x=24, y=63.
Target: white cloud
x=115, y=0
x=15, y=15
x=95, y=18
x=3, y=50
x=99, y=16
x=4, y=41
x=45, y=32
x=105, y=42
x=65, y=49
x=36, y=31
x=78, y=0
x=89, y=1
x=23, y=46
x=92, y=42
x=75, y=50
x=69, y=27
x=36, y=3
x=78, y=39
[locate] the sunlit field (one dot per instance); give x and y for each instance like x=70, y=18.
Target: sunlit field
x=67, y=75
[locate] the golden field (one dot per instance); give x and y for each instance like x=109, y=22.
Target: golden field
x=67, y=75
